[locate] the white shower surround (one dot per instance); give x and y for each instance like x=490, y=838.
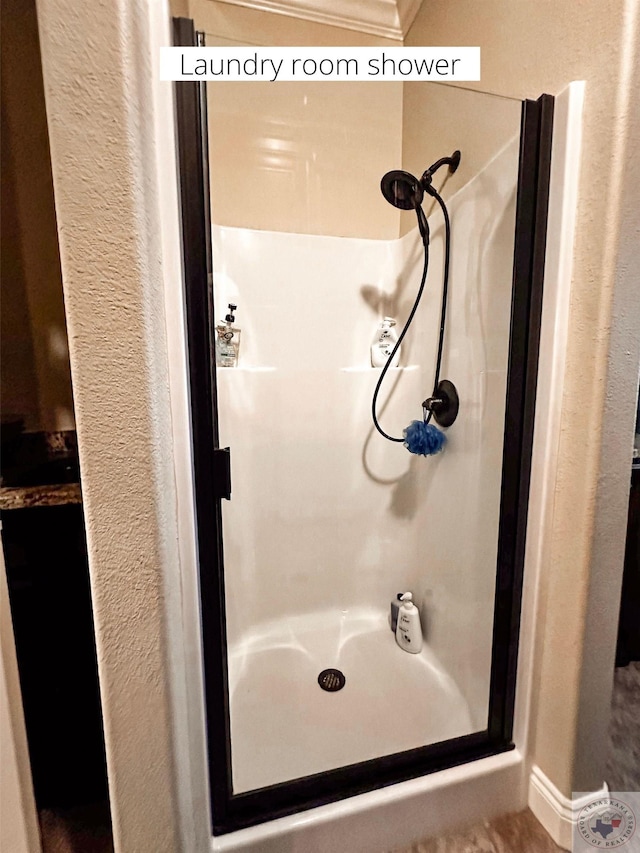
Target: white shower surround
x=327, y=518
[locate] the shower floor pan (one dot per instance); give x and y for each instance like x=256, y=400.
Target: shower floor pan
x=285, y=726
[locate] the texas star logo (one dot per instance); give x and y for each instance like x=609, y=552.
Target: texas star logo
x=606, y=823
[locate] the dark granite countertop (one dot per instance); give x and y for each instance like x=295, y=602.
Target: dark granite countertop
x=23, y=497
x=39, y=469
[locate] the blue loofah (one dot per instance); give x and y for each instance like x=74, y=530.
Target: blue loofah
x=423, y=439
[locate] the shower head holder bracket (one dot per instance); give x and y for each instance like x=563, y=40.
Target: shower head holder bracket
x=427, y=176
x=444, y=404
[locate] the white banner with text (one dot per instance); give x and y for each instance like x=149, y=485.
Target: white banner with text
x=275, y=64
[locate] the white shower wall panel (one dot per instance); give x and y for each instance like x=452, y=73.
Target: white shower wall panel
x=309, y=526
x=458, y=492
x=325, y=513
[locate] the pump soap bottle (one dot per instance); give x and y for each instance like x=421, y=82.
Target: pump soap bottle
x=409, y=630
x=383, y=342
x=228, y=341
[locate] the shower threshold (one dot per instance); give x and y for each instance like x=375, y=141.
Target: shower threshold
x=284, y=726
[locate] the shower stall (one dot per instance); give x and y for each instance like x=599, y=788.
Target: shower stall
x=309, y=521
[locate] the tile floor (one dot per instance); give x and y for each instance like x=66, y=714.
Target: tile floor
x=623, y=767
x=515, y=833
x=86, y=831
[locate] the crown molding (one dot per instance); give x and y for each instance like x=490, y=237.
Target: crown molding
x=384, y=18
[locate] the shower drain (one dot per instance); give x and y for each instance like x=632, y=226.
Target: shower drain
x=331, y=680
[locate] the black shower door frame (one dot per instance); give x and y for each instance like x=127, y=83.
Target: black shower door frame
x=233, y=811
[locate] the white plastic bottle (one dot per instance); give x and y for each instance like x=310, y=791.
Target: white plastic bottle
x=383, y=342
x=409, y=630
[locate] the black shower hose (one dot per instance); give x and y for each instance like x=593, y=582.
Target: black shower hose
x=423, y=225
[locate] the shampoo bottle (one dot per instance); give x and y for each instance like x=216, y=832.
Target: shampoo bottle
x=228, y=340
x=383, y=342
x=409, y=630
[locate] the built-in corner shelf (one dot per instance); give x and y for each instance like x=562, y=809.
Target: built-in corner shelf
x=243, y=369
x=408, y=369
x=367, y=369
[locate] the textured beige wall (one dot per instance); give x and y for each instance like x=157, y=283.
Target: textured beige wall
x=36, y=380
x=179, y=8
x=621, y=387
x=100, y=88
x=527, y=49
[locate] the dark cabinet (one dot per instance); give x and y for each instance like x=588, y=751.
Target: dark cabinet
x=48, y=579
x=629, y=625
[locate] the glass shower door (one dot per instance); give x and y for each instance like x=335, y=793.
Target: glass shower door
x=329, y=521
x=310, y=697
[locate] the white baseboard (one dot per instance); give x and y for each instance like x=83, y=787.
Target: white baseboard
x=557, y=813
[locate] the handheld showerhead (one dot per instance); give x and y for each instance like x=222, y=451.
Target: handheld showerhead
x=402, y=190
x=405, y=191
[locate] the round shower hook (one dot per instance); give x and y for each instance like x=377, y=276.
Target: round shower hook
x=444, y=405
